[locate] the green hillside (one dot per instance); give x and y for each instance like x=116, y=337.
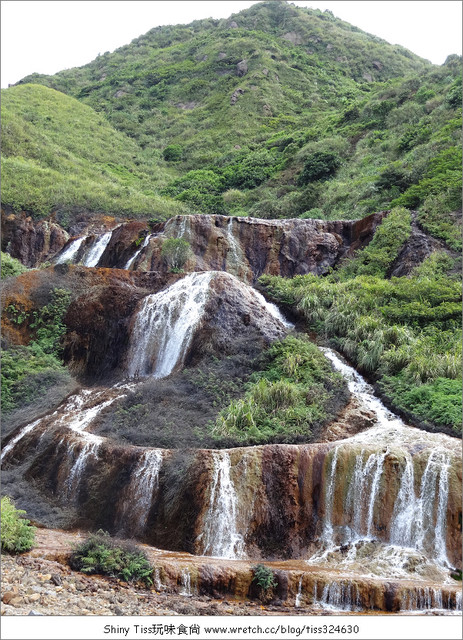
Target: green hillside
x=283, y=112
x=58, y=153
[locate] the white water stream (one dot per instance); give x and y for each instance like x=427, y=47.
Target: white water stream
x=220, y=536
x=93, y=256
x=138, y=251
x=164, y=326
x=418, y=528
x=71, y=251
x=138, y=497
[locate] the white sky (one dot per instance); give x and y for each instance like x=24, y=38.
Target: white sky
x=48, y=36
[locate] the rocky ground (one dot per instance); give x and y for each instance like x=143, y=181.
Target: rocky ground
x=35, y=584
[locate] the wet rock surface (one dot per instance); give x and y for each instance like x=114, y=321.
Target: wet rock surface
x=245, y=247
x=42, y=582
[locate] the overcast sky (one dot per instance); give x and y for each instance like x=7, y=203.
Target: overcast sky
x=46, y=37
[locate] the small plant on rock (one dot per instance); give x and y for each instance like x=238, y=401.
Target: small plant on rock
x=17, y=534
x=99, y=553
x=265, y=580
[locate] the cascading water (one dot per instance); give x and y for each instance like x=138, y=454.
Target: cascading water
x=340, y=596
x=95, y=252
x=419, y=520
x=164, y=326
x=235, y=256
x=138, y=497
x=298, y=600
x=88, y=451
x=70, y=252
x=185, y=589
x=138, y=251
x=19, y=436
x=220, y=536
x=327, y=535
x=272, y=309
x=355, y=492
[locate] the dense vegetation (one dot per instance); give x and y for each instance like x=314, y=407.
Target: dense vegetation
x=285, y=394
x=278, y=112
x=404, y=332
x=17, y=534
x=294, y=394
x=28, y=370
x=58, y=154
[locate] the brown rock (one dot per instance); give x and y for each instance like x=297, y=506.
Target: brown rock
x=8, y=596
x=242, y=68
x=31, y=242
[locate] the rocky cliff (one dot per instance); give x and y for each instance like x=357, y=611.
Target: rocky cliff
x=245, y=247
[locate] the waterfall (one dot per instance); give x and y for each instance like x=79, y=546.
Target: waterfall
x=95, y=252
x=297, y=602
x=138, y=251
x=138, y=497
x=71, y=251
x=426, y=598
x=363, y=391
x=419, y=521
x=272, y=309
x=89, y=450
x=164, y=326
x=19, y=436
x=185, y=583
x=418, y=524
x=339, y=596
x=157, y=581
x=220, y=537
x=235, y=256
x=327, y=535
x=458, y=599
x=361, y=497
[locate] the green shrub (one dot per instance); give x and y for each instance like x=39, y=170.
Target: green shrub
x=291, y=396
x=173, y=153
x=21, y=364
x=17, y=534
x=319, y=166
x=11, y=266
x=403, y=331
x=264, y=578
x=175, y=252
x=99, y=553
x=380, y=253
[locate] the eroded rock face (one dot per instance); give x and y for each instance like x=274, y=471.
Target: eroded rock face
x=245, y=247
x=102, y=301
x=417, y=248
x=31, y=242
x=250, y=247
x=271, y=501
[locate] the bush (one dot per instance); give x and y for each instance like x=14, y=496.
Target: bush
x=173, y=153
x=11, y=266
x=99, y=553
x=17, y=534
x=319, y=166
x=293, y=395
x=175, y=252
x=265, y=580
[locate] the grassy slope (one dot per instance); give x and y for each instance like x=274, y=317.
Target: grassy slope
x=59, y=153
x=391, y=119
x=404, y=332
